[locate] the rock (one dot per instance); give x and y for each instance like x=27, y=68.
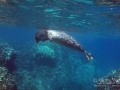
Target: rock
x=109, y=82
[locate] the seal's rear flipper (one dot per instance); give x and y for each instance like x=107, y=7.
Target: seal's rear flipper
x=88, y=55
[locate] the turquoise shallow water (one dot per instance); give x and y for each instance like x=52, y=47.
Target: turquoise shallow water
x=50, y=66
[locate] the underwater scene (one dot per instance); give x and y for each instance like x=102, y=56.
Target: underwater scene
x=59, y=44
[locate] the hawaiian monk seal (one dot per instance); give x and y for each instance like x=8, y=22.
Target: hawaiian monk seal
x=61, y=38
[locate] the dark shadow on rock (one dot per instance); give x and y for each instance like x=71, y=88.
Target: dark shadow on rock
x=10, y=65
x=15, y=88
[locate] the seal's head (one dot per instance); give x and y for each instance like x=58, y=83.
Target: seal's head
x=41, y=36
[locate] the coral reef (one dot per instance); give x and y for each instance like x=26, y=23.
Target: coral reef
x=7, y=55
x=44, y=51
x=109, y=82
x=6, y=52
x=6, y=80
x=65, y=71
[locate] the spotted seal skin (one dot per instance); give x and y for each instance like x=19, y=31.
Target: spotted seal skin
x=61, y=38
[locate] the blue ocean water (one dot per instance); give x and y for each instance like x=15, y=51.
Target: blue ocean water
x=50, y=66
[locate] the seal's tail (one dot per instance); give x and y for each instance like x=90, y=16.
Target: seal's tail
x=88, y=55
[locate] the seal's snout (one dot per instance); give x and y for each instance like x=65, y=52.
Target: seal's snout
x=37, y=38
x=41, y=36
x=37, y=41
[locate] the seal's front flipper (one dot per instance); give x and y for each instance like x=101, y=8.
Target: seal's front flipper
x=88, y=55
x=50, y=37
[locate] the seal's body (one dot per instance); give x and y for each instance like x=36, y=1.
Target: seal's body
x=61, y=38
